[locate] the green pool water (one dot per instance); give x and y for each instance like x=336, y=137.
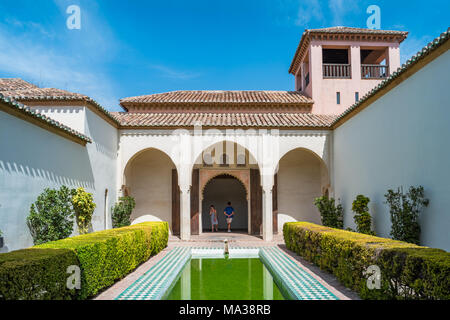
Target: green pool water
x=224, y=279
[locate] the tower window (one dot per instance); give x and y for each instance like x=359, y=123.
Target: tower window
x=338, y=97
x=356, y=96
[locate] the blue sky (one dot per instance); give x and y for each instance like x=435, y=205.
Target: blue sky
x=128, y=48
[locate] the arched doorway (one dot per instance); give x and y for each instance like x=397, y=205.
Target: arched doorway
x=219, y=191
x=229, y=158
x=302, y=176
x=148, y=179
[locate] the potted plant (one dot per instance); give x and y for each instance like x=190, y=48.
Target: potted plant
x=1, y=239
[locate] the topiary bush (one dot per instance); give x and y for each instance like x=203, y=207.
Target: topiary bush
x=121, y=212
x=103, y=257
x=36, y=274
x=331, y=215
x=405, y=210
x=84, y=206
x=51, y=216
x=362, y=216
x=407, y=270
x=109, y=255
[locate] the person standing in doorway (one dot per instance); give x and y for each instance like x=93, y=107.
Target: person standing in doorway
x=229, y=213
x=214, y=221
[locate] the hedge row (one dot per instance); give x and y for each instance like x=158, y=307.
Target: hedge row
x=103, y=257
x=407, y=271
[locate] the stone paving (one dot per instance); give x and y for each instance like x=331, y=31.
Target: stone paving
x=235, y=239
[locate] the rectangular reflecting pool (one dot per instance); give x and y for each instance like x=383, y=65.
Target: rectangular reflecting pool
x=224, y=279
x=247, y=273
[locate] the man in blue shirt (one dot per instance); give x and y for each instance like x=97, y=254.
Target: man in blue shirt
x=229, y=213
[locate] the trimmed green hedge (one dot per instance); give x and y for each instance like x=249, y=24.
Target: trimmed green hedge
x=36, y=274
x=407, y=270
x=103, y=257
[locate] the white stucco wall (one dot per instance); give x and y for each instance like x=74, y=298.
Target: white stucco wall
x=103, y=160
x=149, y=181
x=400, y=140
x=33, y=159
x=301, y=176
x=71, y=116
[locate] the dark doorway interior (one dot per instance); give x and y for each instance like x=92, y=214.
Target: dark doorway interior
x=218, y=192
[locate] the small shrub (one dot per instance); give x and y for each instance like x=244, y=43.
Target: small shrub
x=405, y=210
x=332, y=215
x=121, y=212
x=51, y=216
x=84, y=206
x=362, y=216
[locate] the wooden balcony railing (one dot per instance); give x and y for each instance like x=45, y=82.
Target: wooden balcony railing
x=336, y=71
x=374, y=71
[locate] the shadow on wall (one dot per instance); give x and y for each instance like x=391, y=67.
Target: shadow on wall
x=31, y=160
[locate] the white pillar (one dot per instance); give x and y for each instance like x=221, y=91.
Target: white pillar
x=185, y=211
x=267, y=213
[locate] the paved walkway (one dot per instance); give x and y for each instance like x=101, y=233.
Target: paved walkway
x=235, y=239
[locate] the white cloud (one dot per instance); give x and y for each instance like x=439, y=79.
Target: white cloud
x=340, y=10
x=309, y=11
x=170, y=73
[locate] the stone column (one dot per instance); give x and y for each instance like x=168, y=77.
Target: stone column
x=267, y=213
x=355, y=61
x=185, y=211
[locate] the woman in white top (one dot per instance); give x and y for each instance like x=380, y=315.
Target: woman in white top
x=214, y=221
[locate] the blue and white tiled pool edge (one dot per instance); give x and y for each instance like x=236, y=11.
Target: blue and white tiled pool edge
x=290, y=277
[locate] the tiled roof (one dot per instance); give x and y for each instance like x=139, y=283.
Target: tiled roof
x=356, y=30
x=359, y=34
x=23, y=91
x=224, y=119
x=28, y=112
x=429, y=48
x=11, y=84
x=225, y=97
x=43, y=94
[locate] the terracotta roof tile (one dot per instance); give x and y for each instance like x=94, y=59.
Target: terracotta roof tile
x=226, y=97
x=23, y=91
x=224, y=119
x=28, y=112
x=11, y=84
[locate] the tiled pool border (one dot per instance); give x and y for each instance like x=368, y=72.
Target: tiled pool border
x=292, y=279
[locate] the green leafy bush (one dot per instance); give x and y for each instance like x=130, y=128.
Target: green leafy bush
x=332, y=215
x=407, y=270
x=109, y=255
x=405, y=210
x=51, y=216
x=84, y=206
x=36, y=274
x=362, y=216
x=121, y=212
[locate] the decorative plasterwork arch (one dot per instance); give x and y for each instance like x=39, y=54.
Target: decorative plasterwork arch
x=206, y=175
